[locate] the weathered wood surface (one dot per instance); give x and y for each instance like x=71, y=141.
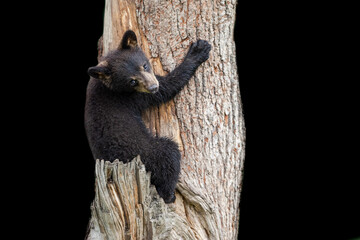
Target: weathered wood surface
x=205, y=119
x=127, y=206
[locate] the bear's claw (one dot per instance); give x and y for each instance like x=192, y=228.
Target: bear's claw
x=199, y=51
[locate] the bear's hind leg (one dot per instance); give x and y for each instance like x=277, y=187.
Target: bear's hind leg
x=163, y=160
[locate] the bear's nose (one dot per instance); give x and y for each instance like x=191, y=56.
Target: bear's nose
x=153, y=88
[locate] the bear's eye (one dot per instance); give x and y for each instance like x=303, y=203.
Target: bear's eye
x=133, y=82
x=146, y=67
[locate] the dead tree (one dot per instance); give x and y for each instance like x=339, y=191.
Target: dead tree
x=205, y=119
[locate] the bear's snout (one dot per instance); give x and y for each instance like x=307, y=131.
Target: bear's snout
x=149, y=81
x=153, y=88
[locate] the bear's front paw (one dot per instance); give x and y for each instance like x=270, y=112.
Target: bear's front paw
x=199, y=51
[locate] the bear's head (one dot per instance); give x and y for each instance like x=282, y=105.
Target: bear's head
x=126, y=69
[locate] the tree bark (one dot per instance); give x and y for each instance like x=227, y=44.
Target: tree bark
x=205, y=119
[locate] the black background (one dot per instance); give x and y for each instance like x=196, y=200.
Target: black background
x=294, y=61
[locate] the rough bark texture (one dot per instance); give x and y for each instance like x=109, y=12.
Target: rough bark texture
x=205, y=119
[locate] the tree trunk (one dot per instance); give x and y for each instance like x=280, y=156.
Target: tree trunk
x=205, y=119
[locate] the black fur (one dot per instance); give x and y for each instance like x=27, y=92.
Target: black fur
x=113, y=121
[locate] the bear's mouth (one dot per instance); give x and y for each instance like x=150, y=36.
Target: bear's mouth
x=152, y=89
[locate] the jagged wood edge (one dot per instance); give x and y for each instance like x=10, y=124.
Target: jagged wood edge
x=127, y=206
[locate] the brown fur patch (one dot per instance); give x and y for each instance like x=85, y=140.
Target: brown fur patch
x=141, y=88
x=132, y=42
x=149, y=78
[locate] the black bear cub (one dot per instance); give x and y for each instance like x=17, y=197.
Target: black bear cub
x=121, y=86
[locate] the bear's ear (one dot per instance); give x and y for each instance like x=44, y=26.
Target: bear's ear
x=100, y=71
x=129, y=40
